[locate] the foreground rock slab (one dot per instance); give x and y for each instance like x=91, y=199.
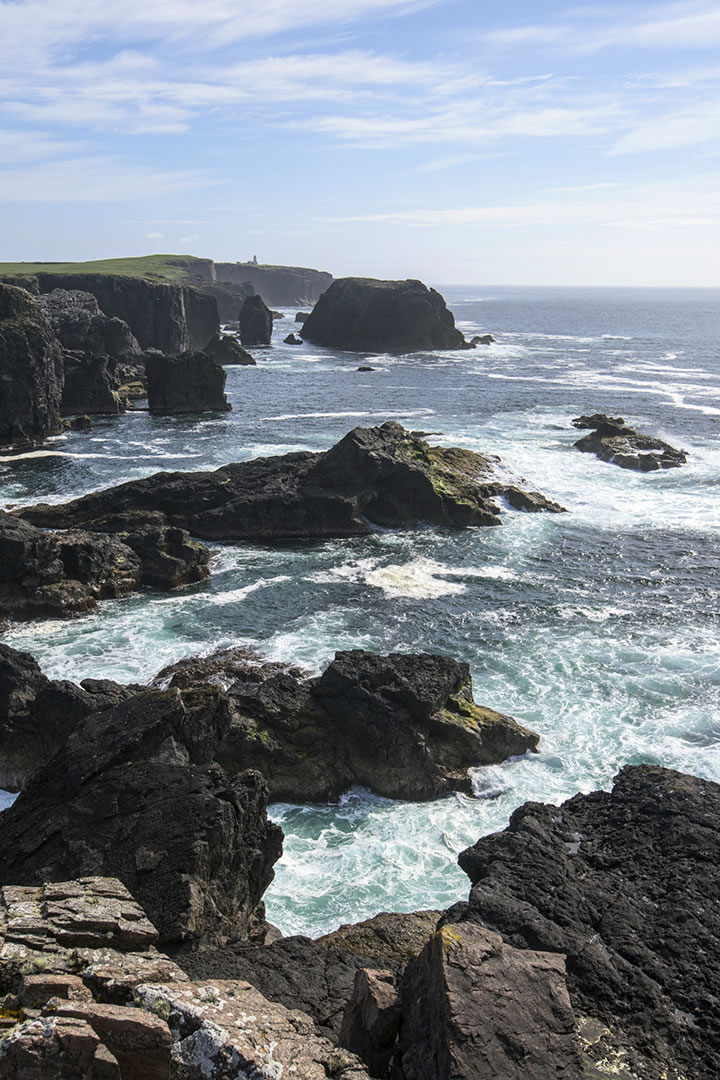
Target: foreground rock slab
x=382, y=476
x=626, y=885
x=612, y=440
x=365, y=314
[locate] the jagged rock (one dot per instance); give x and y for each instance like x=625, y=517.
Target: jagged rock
x=372, y=1020
x=78, y=423
x=390, y=939
x=382, y=316
x=31, y=371
x=139, y=1041
x=56, y=1048
x=226, y=1029
x=228, y=350
x=474, y=1008
x=482, y=339
x=132, y=794
x=256, y=322
x=382, y=475
x=625, y=884
x=67, y=573
x=190, y=383
x=292, y=339
x=82, y=327
x=222, y=667
x=612, y=440
x=91, y=385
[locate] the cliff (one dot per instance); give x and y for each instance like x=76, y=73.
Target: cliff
x=31, y=371
x=292, y=285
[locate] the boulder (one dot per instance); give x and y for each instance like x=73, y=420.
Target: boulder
x=66, y=573
x=133, y=794
x=482, y=339
x=190, y=383
x=31, y=371
x=474, y=1008
x=256, y=322
x=292, y=339
x=227, y=350
x=364, y=314
x=612, y=440
x=301, y=316
x=625, y=884
x=384, y=476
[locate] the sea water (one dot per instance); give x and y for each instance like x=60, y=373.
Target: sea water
x=597, y=628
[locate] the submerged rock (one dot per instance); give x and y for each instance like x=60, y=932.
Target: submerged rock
x=256, y=322
x=612, y=440
x=364, y=314
x=625, y=884
x=384, y=476
x=292, y=339
x=190, y=383
x=31, y=371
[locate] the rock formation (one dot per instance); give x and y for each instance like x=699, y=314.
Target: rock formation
x=66, y=573
x=385, y=475
x=31, y=371
x=193, y=382
x=256, y=322
x=227, y=350
x=612, y=440
x=291, y=285
x=292, y=339
x=363, y=314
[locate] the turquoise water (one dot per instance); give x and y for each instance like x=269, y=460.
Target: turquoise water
x=599, y=628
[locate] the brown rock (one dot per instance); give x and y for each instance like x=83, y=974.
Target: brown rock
x=372, y=1019
x=138, y=1040
x=56, y=1048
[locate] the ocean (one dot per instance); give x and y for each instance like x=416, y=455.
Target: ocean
x=597, y=628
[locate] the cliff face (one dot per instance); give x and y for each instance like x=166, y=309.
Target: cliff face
x=172, y=318
x=31, y=371
x=293, y=285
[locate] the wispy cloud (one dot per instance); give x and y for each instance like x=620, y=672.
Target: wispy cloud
x=94, y=179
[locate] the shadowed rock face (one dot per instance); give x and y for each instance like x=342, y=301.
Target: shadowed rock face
x=228, y=350
x=383, y=475
x=256, y=322
x=612, y=440
x=193, y=382
x=364, y=314
x=31, y=371
x=626, y=885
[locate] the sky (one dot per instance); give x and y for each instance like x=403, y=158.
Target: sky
x=458, y=141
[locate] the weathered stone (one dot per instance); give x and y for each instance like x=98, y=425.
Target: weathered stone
x=372, y=1020
x=227, y=350
x=112, y=975
x=384, y=475
x=56, y=1048
x=31, y=371
x=256, y=322
x=226, y=1029
x=612, y=440
x=36, y=990
x=477, y=1009
x=391, y=938
x=364, y=314
x=139, y=1041
x=193, y=382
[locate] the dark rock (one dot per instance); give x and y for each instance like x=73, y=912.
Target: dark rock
x=280, y=285
x=292, y=339
x=278, y=314
x=78, y=423
x=482, y=339
x=67, y=573
x=228, y=296
x=91, y=385
x=132, y=794
x=390, y=939
x=31, y=371
x=190, y=383
x=223, y=668
x=81, y=326
x=228, y=350
x=626, y=885
x=301, y=316
x=382, y=316
x=372, y=1020
x=612, y=440
x=474, y=1008
x=384, y=475
x=256, y=322
x=366, y=367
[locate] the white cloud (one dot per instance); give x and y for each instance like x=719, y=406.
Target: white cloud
x=189, y=239
x=93, y=179
x=154, y=236
x=681, y=127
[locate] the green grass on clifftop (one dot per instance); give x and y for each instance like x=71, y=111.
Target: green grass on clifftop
x=155, y=267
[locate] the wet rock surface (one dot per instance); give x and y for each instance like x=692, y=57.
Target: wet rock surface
x=31, y=371
x=625, y=884
x=382, y=476
x=365, y=314
x=193, y=382
x=611, y=439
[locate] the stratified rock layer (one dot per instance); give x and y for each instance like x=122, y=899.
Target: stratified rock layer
x=31, y=371
x=626, y=885
x=612, y=440
x=364, y=314
x=383, y=475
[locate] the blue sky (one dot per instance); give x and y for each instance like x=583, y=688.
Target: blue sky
x=455, y=141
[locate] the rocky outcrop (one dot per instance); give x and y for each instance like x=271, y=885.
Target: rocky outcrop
x=291, y=285
x=227, y=350
x=255, y=321
x=171, y=318
x=134, y=794
x=477, y=1008
x=292, y=339
x=67, y=573
x=363, y=314
x=228, y=296
x=382, y=476
x=31, y=371
x=625, y=885
x=193, y=382
x=612, y=440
